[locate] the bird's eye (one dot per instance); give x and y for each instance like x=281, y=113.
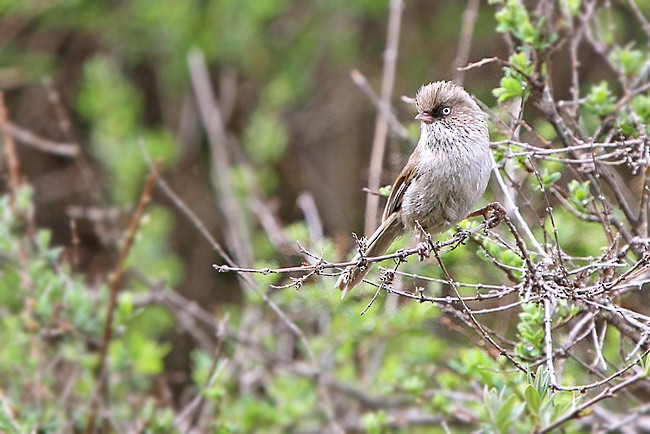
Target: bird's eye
x=445, y=111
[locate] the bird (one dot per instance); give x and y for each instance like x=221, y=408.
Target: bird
x=445, y=176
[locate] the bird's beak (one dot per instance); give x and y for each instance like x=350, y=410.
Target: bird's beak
x=424, y=117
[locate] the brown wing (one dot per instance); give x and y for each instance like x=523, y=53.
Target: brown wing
x=400, y=185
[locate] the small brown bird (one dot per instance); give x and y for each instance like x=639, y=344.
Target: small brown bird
x=444, y=177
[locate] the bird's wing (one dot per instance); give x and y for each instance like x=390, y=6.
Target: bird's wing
x=396, y=196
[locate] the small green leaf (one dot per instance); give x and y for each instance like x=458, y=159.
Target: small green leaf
x=600, y=100
x=513, y=86
x=580, y=194
x=385, y=190
x=630, y=60
x=542, y=381
x=514, y=18
x=547, y=179
x=505, y=412
x=533, y=399
x=125, y=304
x=265, y=138
x=514, y=82
x=563, y=402
x=499, y=155
x=510, y=88
x=520, y=61
x=641, y=105
x=414, y=385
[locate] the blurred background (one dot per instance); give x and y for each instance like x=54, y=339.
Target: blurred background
x=280, y=72
x=281, y=75
x=108, y=80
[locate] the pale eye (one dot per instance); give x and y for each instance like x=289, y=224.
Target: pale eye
x=445, y=111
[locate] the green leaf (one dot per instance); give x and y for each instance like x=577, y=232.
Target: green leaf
x=385, y=190
x=641, y=105
x=580, y=194
x=514, y=18
x=600, y=100
x=562, y=403
x=514, y=82
x=505, y=415
x=530, y=331
x=630, y=60
x=542, y=381
x=508, y=257
x=510, y=88
x=533, y=399
x=414, y=385
x=513, y=86
x=547, y=179
x=125, y=305
x=520, y=61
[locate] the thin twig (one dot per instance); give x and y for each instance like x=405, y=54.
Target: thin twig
x=607, y=393
x=30, y=139
x=513, y=209
x=193, y=408
x=480, y=329
x=114, y=286
x=236, y=230
x=362, y=82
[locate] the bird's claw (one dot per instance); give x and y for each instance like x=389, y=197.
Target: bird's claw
x=493, y=213
x=424, y=250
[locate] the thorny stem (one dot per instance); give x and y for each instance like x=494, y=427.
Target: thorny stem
x=323, y=265
x=606, y=393
x=471, y=316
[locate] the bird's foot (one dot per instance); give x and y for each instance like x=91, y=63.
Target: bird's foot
x=424, y=250
x=493, y=213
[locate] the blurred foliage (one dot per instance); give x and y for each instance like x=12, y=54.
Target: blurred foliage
x=256, y=376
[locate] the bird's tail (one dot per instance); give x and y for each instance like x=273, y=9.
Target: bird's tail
x=378, y=242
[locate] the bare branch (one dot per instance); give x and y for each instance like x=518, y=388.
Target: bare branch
x=381, y=125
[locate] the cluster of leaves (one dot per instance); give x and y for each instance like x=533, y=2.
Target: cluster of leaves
x=513, y=410
x=515, y=82
x=513, y=18
x=52, y=319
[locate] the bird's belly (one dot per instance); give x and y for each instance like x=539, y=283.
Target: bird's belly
x=443, y=194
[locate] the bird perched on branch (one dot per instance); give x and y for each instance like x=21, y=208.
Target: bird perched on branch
x=443, y=179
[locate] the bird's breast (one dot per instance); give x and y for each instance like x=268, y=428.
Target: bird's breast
x=449, y=180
